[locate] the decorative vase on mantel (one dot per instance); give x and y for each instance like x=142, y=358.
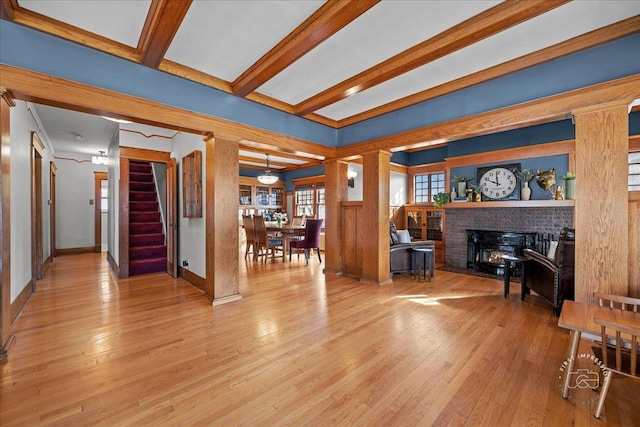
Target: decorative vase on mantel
x=570, y=189
x=462, y=188
x=525, y=194
x=279, y=221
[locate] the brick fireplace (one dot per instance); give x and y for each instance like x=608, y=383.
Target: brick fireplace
x=539, y=220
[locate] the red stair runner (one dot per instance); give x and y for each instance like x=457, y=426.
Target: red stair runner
x=147, y=249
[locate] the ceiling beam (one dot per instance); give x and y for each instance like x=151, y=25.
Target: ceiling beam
x=245, y=146
x=162, y=23
x=474, y=29
x=582, y=42
x=63, y=30
x=326, y=21
x=262, y=161
x=6, y=9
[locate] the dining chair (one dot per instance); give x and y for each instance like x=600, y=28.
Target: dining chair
x=620, y=359
x=310, y=241
x=618, y=349
x=249, y=231
x=298, y=220
x=264, y=241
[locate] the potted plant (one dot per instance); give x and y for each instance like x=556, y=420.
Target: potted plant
x=569, y=185
x=525, y=176
x=440, y=199
x=477, y=190
x=462, y=184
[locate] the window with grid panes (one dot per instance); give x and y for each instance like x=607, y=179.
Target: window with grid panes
x=428, y=185
x=634, y=171
x=320, y=211
x=304, y=201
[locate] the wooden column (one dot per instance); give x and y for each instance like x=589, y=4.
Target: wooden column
x=5, y=225
x=375, y=206
x=221, y=283
x=335, y=184
x=601, y=207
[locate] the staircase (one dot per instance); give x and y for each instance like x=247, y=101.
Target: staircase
x=147, y=248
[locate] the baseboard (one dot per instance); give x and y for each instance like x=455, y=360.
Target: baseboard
x=192, y=278
x=45, y=265
x=75, y=251
x=19, y=303
x=113, y=264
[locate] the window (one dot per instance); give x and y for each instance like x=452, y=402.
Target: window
x=428, y=185
x=320, y=203
x=304, y=201
x=309, y=197
x=634, y=171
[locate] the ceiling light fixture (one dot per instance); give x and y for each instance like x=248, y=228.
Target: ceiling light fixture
x=100, y=160
x=267, y=178
x=116, y=120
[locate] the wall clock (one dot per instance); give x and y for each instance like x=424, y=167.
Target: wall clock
x=499, y=182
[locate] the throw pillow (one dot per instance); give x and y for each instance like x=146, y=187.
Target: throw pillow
x=393, y=233
x=404, y=236
x=553, y=245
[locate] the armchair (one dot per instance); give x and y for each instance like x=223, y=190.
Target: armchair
x=401, y=253
x=553, y=278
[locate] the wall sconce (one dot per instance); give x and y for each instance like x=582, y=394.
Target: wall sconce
x=351, y=178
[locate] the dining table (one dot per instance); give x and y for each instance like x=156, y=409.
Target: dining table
x=578, y=317
x=288, y=233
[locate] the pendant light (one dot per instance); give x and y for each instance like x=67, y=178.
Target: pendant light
x=267, y=178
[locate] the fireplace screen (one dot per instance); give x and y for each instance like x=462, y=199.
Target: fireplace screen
x=494, y=256
x=485, y=248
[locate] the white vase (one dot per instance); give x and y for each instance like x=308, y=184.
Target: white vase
x=525, y=194
x=453, y=194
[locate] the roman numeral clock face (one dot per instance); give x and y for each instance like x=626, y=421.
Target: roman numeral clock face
x=499, y=183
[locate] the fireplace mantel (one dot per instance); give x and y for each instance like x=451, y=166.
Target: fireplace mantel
x=512, y=204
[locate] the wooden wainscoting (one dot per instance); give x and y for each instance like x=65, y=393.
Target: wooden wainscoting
x=634, y=244
x=352, y=235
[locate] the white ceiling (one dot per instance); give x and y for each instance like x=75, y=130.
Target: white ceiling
x=223, y=39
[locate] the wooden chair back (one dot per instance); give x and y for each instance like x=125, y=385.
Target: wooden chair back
x=260, y=230
x=247, y=223
x=298, y=220
x=618, y=349
x=618, y=301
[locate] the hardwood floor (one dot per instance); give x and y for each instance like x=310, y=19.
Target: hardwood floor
x=298, y=349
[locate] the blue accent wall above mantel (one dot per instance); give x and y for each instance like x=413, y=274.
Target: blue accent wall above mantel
x=29, y=49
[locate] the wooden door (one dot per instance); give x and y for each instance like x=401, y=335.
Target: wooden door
x=52, y=208
x=172, y=218
x=37, y=148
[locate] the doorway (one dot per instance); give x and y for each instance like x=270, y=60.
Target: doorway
x=101, y=208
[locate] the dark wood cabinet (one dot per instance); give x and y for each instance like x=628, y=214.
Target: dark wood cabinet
x=427, y=223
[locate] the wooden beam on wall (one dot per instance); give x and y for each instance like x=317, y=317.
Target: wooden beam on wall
x=49, y=90
x=545, y=110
